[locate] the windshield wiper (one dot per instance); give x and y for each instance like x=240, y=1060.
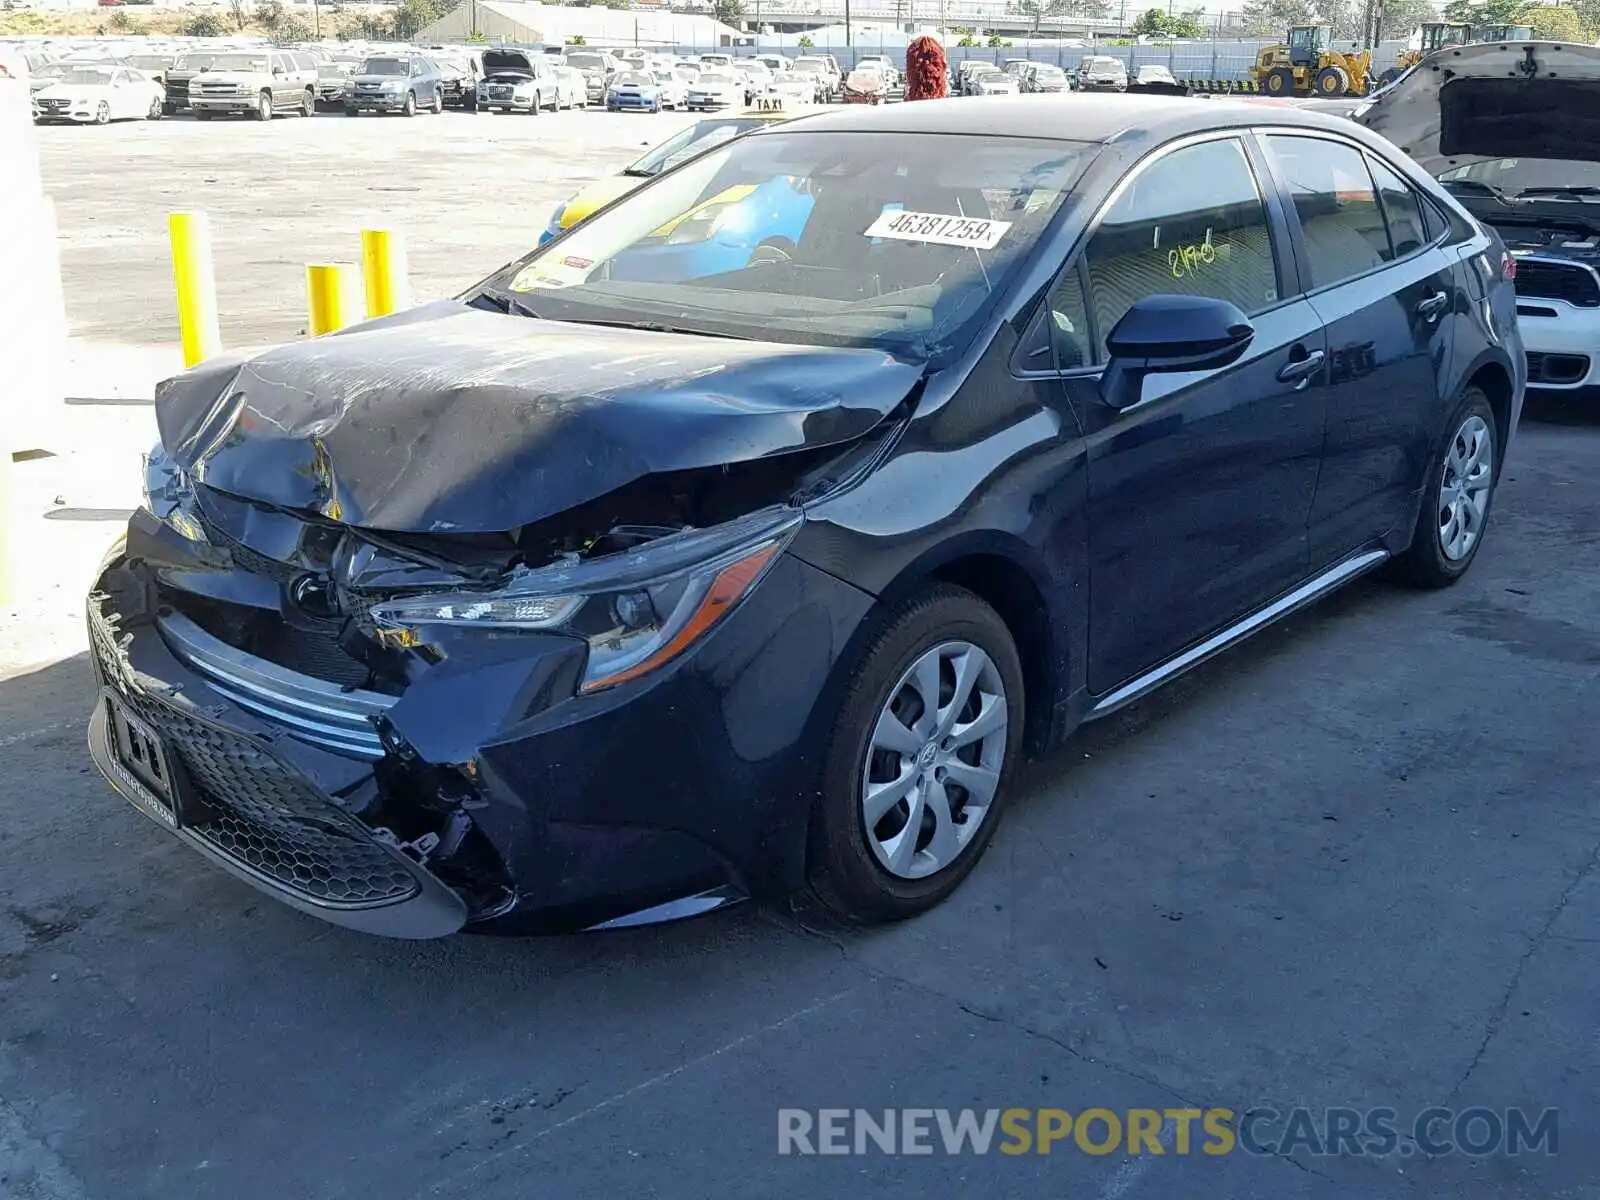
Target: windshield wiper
x=506, y=303
x=638, y=174
x=1474, y=185
x=1569, y=190
x=658, y=327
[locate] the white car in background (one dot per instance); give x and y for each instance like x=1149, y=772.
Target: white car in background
x=885, y=67
x=674, y=88
x=994, y=83
x=99, y=95
x=1154, y=74
x=715, y=89
x=1543, y=204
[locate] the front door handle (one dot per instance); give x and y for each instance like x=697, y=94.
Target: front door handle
x=1301, y=370
x=1430, y=308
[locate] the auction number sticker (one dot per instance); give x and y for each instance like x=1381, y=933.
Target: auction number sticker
x=939, y=228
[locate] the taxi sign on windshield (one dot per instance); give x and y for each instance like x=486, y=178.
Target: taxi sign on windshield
x=941, y=229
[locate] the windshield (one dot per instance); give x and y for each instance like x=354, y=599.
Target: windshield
x=1513, y=176
x=333, y=70
x=385, y=66
x=586, y=62
x=691, y=141
x=1049, y=73
x=86, y=76
x=714, y=77
x=808, y=67
x=862, y=239
x=634, y=79
x=148, y=62
x=239, y=62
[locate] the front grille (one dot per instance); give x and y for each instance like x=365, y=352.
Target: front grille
x=54, y=105
x=264, y=815
x=177, y=89
x=1549, y=280
x=1557, y=369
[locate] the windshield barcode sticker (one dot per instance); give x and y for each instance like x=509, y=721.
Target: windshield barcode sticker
x=939, y=228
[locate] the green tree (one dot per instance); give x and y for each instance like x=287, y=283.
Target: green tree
x=728, y=12
x=996, y=41
x=292, y=29
x=577, y=39
x=1555, y=22
x=1491, y=12
x=269, y=14
x=967, y=41
x=1401, y=18
x=413, y=16
x=1157, y=23
x=805, y=42
x=121, y=21
x=1272, y=18
x=203, y=25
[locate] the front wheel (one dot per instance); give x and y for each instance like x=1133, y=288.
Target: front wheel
x=308, y=104
x=264, y=107
x=1457, y=493
x=350, y=110
x=102, y=113
x=410, y=108
x=926, y=734
x=155, y=112
x=438, y=103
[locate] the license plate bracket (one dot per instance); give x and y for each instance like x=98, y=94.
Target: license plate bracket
x=146, y=766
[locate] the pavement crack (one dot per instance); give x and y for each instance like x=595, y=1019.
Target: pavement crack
x=1535, y=943
x=1295, y=1162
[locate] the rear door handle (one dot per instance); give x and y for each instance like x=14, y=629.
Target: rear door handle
x=1433, y=305
x=1302, y=369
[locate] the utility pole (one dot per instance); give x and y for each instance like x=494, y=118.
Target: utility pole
x=316, y=19
x=847, y=40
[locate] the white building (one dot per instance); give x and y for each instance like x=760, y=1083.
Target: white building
x=517, y=21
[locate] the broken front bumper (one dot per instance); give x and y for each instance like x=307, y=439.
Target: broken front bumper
x=646, y=801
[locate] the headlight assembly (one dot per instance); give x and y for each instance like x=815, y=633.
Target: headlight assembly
x=636, y=609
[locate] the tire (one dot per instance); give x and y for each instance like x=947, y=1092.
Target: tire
x=308, y=104
x=848, y=863
x=157, y=111
x=438, y=102
x=1429, y=562
x=1279, y=82
x=102, y=113
x=201, y=115
x=264, y=107
x=410, y=109
x=168, y=110
x=1388, y=76
x=1331, y=82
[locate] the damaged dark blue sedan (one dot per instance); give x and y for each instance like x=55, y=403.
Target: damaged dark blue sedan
x=645, y=577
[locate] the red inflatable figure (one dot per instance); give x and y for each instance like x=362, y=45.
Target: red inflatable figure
x=925, y=70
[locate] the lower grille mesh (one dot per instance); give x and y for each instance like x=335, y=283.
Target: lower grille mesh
x=267, y=816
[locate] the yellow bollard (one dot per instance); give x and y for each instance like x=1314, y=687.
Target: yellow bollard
x=331, y=297
x=196, y=281
x=383, y=271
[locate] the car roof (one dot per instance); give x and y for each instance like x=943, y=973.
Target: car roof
x=1090, y=118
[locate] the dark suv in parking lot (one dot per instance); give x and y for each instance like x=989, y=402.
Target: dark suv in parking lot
x=744, y=537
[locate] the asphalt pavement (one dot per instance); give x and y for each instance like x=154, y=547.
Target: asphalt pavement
x=1350, y=866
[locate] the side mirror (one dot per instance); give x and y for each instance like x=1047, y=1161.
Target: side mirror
x=1165, y=334
x=278, y=71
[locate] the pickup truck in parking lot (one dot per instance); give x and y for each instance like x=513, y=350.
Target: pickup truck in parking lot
x=258, y=83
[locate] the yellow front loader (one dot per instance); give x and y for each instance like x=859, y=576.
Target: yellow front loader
x=1436, y=35
x=1307, y=65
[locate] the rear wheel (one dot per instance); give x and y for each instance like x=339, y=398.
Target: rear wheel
x=918, y=759
x=201, y=114
x=1279, y=82
x=350, y=110
x=1332, y=81
x=1457, y=494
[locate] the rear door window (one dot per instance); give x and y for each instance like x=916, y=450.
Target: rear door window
x=1402, y=209
x=1342, y=228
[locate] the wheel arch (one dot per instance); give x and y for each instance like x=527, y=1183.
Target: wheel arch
x=1494, y=381
x=1008, y=575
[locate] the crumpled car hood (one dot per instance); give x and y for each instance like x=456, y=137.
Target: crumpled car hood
x=1470, y=104
x=448, y=418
